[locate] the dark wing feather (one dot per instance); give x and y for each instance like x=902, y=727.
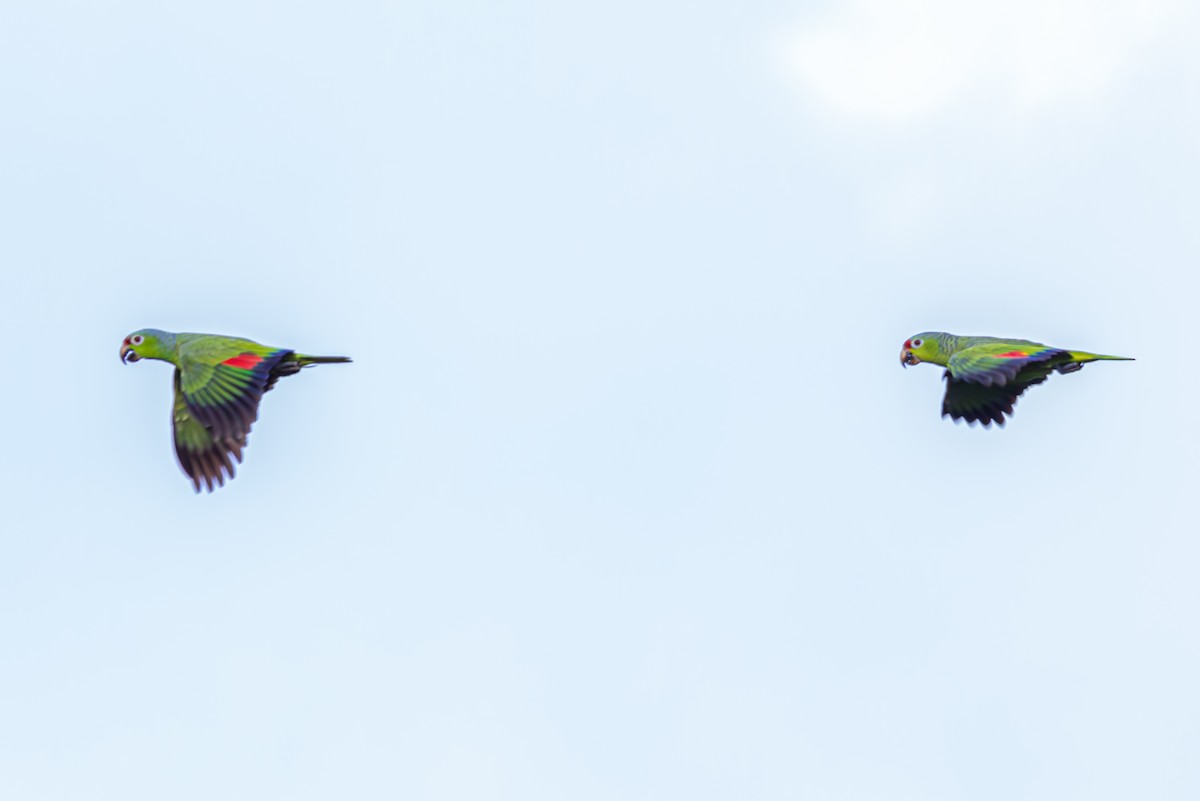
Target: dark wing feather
x=983, y=382
x=205, y=457
x=989, y=403
x=215, y=406
x=976, y=403
x=224, y=397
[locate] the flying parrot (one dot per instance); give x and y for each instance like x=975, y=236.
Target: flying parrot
x=985, y=375
x=218, y=384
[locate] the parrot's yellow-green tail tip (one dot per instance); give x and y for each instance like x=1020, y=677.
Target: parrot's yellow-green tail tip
x=1084, y=356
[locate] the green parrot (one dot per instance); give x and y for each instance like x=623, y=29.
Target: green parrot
x=218, y=384
x=985, y=375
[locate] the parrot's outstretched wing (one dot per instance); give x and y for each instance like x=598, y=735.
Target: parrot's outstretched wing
x=222, y=384
x=218, y=386
x=975, y=402
x=983, y=382
x=203, y=456
x=998, y=363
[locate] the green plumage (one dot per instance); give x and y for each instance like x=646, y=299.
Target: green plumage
x=985, y=375
x=219, y=382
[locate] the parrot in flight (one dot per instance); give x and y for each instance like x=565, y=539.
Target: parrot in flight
x=218, y=383
x=985, y=375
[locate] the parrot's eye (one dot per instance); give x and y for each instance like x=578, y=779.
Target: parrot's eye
x=137, y=340
x=916, y=343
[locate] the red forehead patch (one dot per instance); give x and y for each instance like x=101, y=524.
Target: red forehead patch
x=908, y=343
x=244, y=361
x=1012, y=354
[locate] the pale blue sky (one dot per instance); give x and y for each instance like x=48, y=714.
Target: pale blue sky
x=626, y=495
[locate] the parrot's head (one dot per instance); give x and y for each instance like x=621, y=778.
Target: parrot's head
x=921, y=348
x=148, y=343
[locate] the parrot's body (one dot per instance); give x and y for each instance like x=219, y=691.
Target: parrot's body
x=985, y=375
x=219, y=382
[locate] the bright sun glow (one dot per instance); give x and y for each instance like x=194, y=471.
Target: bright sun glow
x=903, y=59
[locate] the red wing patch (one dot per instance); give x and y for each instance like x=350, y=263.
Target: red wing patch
x=244, y=361
x=1012, y=354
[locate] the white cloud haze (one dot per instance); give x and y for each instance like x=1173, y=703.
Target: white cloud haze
x=902, y=60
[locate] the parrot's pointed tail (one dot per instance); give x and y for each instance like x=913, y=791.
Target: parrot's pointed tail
x=306, y=360
x=1079, y=358
x=295, y=361
x=1084, y=356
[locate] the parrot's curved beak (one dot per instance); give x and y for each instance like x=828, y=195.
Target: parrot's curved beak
x=128, y=354
x=907, y=357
